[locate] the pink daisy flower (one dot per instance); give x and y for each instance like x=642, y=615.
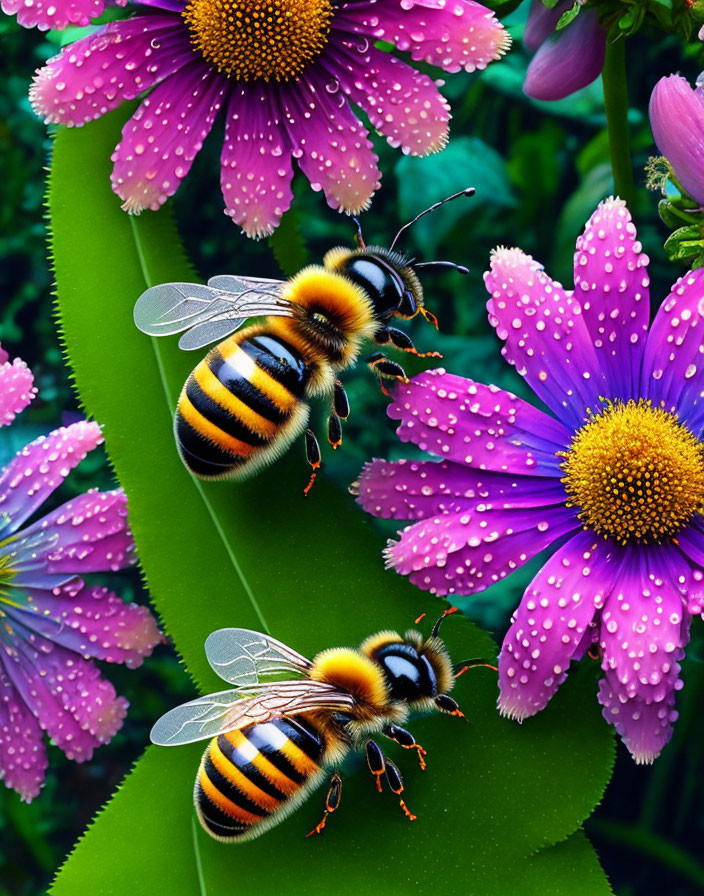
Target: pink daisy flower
x=611, y=477
x=285, y=72
x=53, y=623
x=16, y=387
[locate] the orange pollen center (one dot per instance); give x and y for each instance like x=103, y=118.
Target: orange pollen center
x=635, y=473
x=268, y=40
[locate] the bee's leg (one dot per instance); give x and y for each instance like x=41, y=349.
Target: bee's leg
x=402, y=341
x=406, y=740
x=313, y=457
x=386, y=369
x=395, y=782
x=375, y=761
x=340, y=411
x=448, y=705
x=332, y=801
x=358, y=238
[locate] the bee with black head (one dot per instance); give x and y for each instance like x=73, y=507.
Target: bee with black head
x=247, y=400
x=273, y=742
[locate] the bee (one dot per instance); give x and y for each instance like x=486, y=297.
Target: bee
x=247, y=400
x=273, y=742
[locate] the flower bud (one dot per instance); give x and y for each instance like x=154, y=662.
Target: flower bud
x=677, y=123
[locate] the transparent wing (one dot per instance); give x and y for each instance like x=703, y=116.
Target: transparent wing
x=226, y=711
x=242, y=656
x=209, y=312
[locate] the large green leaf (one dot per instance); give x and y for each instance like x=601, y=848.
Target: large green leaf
x=496, y=795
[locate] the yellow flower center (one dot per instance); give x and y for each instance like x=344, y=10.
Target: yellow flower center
x=268, y=40
x=635, y=473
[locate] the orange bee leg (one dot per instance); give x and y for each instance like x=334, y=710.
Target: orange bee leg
x=402, y=341
x=375, y=761
x=407, y=741
x=448, y=705
x=332, y=801
x=395, y=782
x=386, y=369
x=313, y=457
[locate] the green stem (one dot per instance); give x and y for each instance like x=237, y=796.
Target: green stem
x=616, y=105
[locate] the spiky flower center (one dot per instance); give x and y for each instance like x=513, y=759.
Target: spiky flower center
x=268, y=40
x=635, y=473
x=7, y=574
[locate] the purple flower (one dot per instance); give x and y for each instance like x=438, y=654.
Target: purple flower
x=564, y=61
x=45, y=14
x=16, y=387
x=611, y=477
x=53, y=623
x=677, y=122
x=286, y=85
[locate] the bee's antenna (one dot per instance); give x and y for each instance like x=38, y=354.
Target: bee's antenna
x=358, y=238
x=436, y=627
x=468, y=191
x=461, y=668
x=460, y=268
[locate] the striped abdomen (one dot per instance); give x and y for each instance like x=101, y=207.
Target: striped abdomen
x=252, y=776
x=239, y=402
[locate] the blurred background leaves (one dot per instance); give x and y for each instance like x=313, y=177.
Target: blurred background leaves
x=552, y=163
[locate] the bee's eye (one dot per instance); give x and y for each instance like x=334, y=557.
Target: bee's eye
x=409, y=675
x=380, y=283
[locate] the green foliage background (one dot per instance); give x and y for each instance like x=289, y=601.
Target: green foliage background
x=539, y=171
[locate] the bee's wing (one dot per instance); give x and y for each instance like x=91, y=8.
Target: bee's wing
x=241, y=656
x=207, y=313
x=226, y=711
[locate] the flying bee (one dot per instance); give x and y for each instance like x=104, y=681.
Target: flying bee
x=246, y=401
x=273, y=742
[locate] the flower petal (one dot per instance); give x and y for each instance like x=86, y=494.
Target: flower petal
x=454, y=36
x=404, y=105
x=612, y=285
x=91, y=621
x=415, y=490
x=677, y=122
x=23, y=760
x=673, y=367
x=645, y=728
x=466, y=552
x=542, y=22
x=550, y=624
x=477, y=425
x=77, y=708
x=256, y=162
x=685, y=564
x=33, y=474
x=164, y=135
x=16, y=388
x=118, y=62
x=56, y=14
x=331, y=146
x=88, y=534
x=545, y=335
x=569, y=61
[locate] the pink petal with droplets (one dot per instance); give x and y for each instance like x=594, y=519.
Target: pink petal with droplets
x=331, y=146
x=550, y=625
x=570, y=60
x=88, y=534
x=256, y=162
x=545, y=335
x=58, y=14
x=404, y=105
x=77, y=708
x=163, y=137
x=95, y=74
x=645, y=728
x=612, y=284
x=91, y=621
x=685, y=564
x=457, y=35
x=17, y=388
x=28, y=480
x=673, y=367
x=477, y=425
x=23, y=760
x=466, y=552
x=416, y=490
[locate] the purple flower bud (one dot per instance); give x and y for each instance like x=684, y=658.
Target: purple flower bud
x=568, y=61
x=677, y=123
x=542, y=22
